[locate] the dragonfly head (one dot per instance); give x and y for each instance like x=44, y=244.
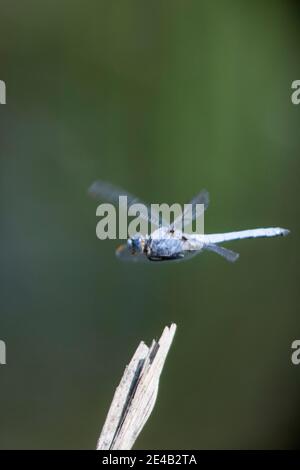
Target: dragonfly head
x=136, y=244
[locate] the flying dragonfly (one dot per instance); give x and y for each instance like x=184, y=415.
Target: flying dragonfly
x=167, y=242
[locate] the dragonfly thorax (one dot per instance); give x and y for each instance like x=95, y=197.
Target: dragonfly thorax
x=166, y=233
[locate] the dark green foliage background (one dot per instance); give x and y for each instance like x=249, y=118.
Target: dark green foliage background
x=162, y=98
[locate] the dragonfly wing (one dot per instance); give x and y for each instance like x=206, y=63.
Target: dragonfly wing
x=188, y=216
x=201, y=198
x=229, y=255
x=107, y=191
x=124, y=254
x=189, y=254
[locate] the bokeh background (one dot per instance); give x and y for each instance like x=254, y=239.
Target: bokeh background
x=162, y=98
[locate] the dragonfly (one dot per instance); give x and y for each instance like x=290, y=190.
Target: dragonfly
x=167, y=242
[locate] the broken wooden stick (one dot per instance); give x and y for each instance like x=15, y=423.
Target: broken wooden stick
x=135, y=397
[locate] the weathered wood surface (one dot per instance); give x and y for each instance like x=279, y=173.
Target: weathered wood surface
x=136, y=394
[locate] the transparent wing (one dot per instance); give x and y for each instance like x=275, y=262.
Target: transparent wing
x=188, y=255
x=188, y=216
x=229, y=255
x=103, y=190
x=201, y=198
x=124, y=254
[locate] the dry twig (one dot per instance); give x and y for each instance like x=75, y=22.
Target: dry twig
x=136, y=394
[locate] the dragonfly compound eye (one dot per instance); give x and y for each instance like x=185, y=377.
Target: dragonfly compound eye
x=130, y=245
x=135, y=244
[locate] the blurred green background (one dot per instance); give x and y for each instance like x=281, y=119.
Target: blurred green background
x=162, y=98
